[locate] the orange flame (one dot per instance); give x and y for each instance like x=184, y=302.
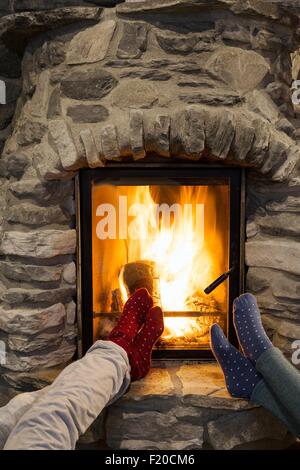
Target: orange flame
x=184, y=230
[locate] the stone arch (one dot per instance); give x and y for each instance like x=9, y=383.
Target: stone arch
x=196, y=133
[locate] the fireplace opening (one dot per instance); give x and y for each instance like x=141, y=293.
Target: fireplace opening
x=174, y=230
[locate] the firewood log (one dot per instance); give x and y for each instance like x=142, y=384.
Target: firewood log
x=117, y=303
x=142, y=274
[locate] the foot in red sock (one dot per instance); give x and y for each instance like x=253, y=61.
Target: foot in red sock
x=133, y=317
x=140, y=354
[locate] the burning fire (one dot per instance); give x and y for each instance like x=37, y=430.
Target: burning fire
x=181, y=230
x=177, y=242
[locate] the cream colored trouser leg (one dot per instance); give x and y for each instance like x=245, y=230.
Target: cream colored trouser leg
x=13, y=411
x=56, y=416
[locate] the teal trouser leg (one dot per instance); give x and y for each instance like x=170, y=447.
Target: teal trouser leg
x=279, y=392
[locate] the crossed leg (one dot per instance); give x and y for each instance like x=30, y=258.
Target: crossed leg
x=56, y=416
x=261, y=373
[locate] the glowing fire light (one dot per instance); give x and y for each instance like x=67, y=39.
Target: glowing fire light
x=178, y=248
x=180, y=230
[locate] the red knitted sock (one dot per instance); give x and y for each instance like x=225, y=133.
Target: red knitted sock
x=133, y=317
x=140, y=354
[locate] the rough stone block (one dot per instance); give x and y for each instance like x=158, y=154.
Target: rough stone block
x=163, y=431
x=39, y=101
x=289, y=329
x=51, y=54
x=16, y=164
x=287, y=204
x=69, y=273
x=27, y=21
x=286, y=169
x=64, y=143
x=87, y=113
x=50, y=168
x=135, y=94
x=40, y=359
x=258, y=279
x=277, y=154
x=243, y=138
x=54, y=105
x=47, y=163
x=260, y=103
x=280, y=224
x=185, y=43
x=261, y=142
x=91, y=152
x=187, y=135
x=21, y=296
x=30, y=381
x=87, y=84
x=157, y=134
x=54, y=191
x=39, y=244
x=155, y=75
x=133, y=41
x=241, y=69
x=30, y=132
x=252, y=425
x=30, y=273
x=230, y=30
x=27, y=213
x=29, y=344
x=137, y=134
x=109, y=141
x=216, y=97
x=91, y=44
x=71, y=313
x=31, y=320
x=220, y=130
x=277, y=253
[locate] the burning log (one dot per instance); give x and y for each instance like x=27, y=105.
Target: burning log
x=142, y=274
x=117, y=303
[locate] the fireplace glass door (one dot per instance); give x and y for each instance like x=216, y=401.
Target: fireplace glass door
x=173, y=231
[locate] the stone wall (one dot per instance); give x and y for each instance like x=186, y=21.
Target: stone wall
x=23, y=19
x=170, y=78
x=186, y=406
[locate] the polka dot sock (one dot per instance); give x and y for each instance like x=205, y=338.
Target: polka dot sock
x=240, y=375
x=133, y=317
x=140, y=355
x=247, y=321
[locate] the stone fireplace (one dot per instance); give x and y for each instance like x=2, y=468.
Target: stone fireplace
x=154, y=89
x=175, y=230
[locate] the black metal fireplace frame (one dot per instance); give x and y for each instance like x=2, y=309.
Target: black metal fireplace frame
x=138, y=173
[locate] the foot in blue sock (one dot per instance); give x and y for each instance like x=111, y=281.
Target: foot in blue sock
x=249, y=328
x=240, y=375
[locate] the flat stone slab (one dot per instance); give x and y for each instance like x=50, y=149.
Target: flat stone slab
x=186, y=406
x=199, y=383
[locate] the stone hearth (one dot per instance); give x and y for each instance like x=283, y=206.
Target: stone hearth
x=186, y=406
x=170, y=80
